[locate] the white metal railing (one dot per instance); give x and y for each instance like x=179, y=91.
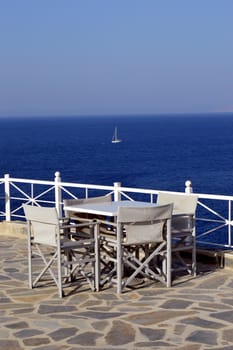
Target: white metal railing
x=214, y=214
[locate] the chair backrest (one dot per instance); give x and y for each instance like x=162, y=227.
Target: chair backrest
x=145, y=224
x=183, y=211
x=44, y=224
x=182, y=202
x=100, y=199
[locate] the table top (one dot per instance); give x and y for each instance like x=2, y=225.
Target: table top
x=108, y=208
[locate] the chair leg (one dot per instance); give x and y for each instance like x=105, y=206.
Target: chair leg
x=119, y=265
x=194, y=260
x=97, y=259
x=59, y=274
x=29, y=255
x=30, y=265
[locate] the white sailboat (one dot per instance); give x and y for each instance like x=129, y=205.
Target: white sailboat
x=115, y=138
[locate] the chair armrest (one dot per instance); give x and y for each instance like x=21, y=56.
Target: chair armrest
x=106, y=222
x=106, y=228
x=83, y=230
x=87, y=223
x=182, y=215
x=183, y=223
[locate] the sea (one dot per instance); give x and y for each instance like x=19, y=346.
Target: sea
x=157, y=152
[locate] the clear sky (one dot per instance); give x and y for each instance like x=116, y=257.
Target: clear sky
x=103, y=57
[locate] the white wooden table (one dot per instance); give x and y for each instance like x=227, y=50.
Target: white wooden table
x=106, y=209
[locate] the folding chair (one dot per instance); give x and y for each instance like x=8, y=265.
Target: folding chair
x=142, y=234
x=75, y=217
x=183, y=229
x=67, y=261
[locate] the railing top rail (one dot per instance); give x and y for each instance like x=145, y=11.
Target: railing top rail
x=111, y=188
x=89, y=186
x=31, y=181
x=214, y=196
x=200, y=195
x=64, y=184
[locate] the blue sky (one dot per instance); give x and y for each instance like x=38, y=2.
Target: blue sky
x=115, y=57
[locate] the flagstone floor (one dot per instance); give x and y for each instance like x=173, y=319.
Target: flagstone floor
x=195, y=314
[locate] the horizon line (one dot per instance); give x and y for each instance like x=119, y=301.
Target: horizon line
x=116, y=115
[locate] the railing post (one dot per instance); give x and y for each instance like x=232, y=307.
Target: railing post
x=57, y=181
x=229, y=222
x=188, y=187
x=117, y=194
x=7, y=198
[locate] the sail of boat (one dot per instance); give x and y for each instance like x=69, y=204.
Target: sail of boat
x=115, y=138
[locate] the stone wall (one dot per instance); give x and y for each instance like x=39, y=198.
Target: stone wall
x=13, y=229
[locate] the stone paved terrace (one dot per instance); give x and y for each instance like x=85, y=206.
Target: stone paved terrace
x=192, y=315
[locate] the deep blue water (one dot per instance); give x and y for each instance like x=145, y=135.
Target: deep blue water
x=159, y=152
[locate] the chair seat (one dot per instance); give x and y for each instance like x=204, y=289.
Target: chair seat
x=67, y=243
x=181, y=233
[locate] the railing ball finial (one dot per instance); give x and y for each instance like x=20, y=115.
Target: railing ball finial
x=188, y=186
